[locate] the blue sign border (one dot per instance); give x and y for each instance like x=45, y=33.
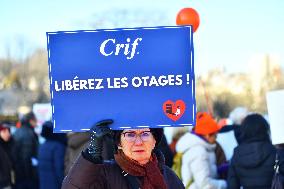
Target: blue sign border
x=123, y=29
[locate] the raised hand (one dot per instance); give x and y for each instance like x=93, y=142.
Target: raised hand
x=98, y=132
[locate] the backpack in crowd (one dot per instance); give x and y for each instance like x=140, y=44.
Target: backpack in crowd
x=177, y=163
x=276, y=181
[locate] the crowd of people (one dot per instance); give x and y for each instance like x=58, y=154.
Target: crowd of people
x=27, y=164
x=212, y=156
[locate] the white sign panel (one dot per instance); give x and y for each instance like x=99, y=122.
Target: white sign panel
x=42, y=112
x=275, y=106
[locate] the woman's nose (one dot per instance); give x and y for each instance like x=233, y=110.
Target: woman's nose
x=138, y=140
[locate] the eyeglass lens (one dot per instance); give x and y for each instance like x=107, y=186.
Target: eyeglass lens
x=132, y=136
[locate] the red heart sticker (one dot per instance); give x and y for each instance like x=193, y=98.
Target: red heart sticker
x=174, y=111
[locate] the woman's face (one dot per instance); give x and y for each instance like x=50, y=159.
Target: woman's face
x=211, y=138
x=137, y=144
x=33, y=122
x=5, y=134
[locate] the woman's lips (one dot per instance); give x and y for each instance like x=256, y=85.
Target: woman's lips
x=138, y=151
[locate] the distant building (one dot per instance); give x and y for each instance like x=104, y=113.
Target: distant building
x=264, y=71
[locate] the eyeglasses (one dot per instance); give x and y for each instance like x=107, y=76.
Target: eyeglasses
x=132, y=136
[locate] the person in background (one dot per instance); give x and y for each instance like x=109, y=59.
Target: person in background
x=136, y=163
x=77, y=142
x=25, y=153
x=252, y=163
x=229, y=134
x=51, y=158
x=237, y=116
x=165, y=149
x=199, y=169
x=178, y=133
x=222, y=163
x=280, y=151
x=6, y=165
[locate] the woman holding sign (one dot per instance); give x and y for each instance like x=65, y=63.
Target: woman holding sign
x=137, y=164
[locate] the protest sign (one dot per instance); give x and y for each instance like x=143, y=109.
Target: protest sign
x=139, y=77
x=275, y=106
x=42, y=112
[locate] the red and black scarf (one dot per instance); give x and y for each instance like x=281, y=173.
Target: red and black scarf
x=150, y=173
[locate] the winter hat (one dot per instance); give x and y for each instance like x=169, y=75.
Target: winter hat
x=205, y=124
x=238, y=115
x=3, y=126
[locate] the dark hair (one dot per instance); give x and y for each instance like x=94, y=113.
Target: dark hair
x=47, y=133
x=254, y=128
x=157, y=133
x=27, y=117
x=47, y=129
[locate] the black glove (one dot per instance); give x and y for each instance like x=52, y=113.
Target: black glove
x=98, y=132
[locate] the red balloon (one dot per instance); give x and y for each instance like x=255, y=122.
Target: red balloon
x=188, y=16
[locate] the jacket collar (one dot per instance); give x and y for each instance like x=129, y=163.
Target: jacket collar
x=190, y=140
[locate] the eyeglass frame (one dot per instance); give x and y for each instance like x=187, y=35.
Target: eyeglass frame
x=136, y=136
